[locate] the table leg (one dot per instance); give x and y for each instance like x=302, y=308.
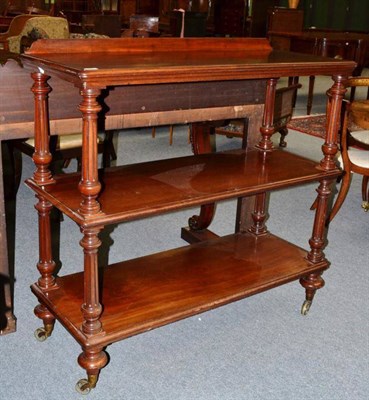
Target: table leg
x=198, y=224
x=310, y=94
x=7, y=318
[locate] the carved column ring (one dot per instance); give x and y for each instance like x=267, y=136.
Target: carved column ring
x=330, y=149
x=42, y=158
x=89, y=104
x=89, y=188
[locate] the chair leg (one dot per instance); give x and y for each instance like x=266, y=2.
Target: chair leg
x=109, y=153
x=284, y=133
x=311, y=94
x=170, y=135
x=345, y=185
x=365, y=193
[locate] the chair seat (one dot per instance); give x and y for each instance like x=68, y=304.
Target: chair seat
x=361, y=136
x=66, y=142
x=357, y=157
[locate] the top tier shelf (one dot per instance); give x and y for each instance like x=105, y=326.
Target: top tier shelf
x=145, y=189
x=111, y=62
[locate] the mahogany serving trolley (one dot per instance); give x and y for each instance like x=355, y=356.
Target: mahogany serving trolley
x=141, y=294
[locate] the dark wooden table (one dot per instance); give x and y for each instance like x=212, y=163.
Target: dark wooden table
x=145, y=293
x=340, y=45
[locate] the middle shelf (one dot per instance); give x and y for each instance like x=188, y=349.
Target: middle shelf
x=140, y=190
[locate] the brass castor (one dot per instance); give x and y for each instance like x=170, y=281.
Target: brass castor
x=365, y=206
x=306, y=307
x=41, y=334
x=84, y=386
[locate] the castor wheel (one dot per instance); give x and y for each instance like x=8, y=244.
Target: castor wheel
x=83, y=386
x=365, y=206
x=306, y=307
x=41, y=334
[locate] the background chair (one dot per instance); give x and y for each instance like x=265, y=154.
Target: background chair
x=283, y=109
x=41, y=26
x=64, y=148
x=354, y=146
x=15, y=29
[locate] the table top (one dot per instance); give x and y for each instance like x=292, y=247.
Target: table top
x=323, y=34
x=125, y=61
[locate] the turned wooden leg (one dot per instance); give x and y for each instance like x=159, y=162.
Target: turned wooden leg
x=41, y=334
x=92, y=360
x=365, y=193
x=311, y=283
x=91, y=307
x=310, y=94
x=46, y=267
x=282, y=141
x=314, y=281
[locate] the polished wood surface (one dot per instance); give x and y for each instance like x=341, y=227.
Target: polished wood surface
x=151, y=291
x=94, y=199
x=205, y=178
x=155, y=61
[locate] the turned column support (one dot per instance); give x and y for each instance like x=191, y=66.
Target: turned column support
x=259, y=215
x=334, y=105
x=89, y=185
x=314, y=281
x=91, y=307
x=46, y=267
x=267, y=128
x=46, y=264
x=42, y=156
x=317, y=240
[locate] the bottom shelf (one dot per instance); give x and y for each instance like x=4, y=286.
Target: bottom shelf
x=151, y=291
